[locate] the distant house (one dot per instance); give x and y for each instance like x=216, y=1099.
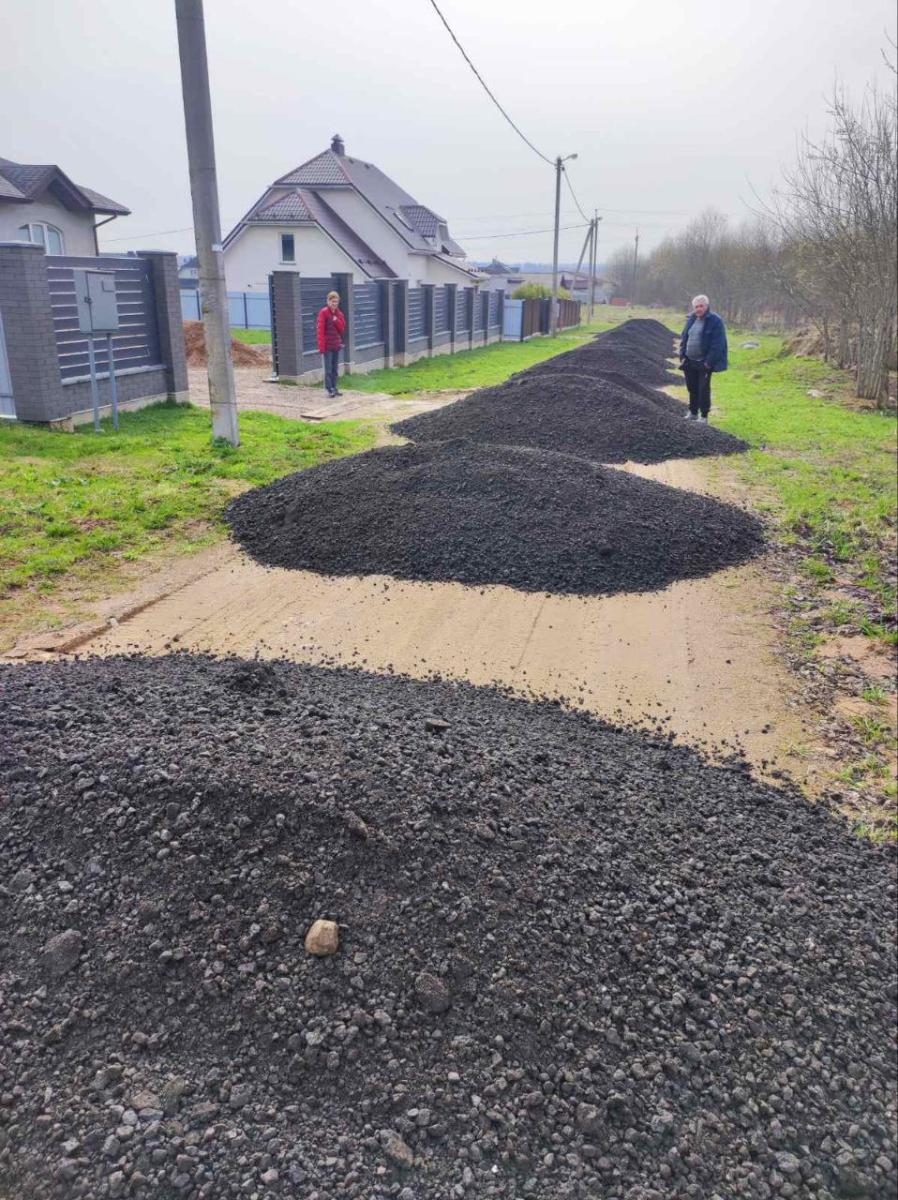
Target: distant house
x=41, y=204
x=340, y=214
x=188, y=271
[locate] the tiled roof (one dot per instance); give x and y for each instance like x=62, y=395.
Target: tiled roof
x=27, y=181
x=285, y=208
x=420, y=218
x=346, y=238
x=322, y=170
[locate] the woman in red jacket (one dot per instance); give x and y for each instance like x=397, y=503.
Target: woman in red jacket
x=331, y=327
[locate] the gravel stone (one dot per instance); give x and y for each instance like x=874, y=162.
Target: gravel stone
x=617, y=953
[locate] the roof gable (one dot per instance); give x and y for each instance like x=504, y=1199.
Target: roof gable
x=321, y=171
x=24, y=182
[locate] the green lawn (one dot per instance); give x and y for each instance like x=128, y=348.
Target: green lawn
x=825, y=466
x=77, y=506
x=253, y=337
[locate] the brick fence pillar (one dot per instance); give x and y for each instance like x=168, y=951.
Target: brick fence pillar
x=29, y=334
x=389, y=320
x=430, y=315
x=169, y=320
x=400, y=331
x=286, y=319
x=451, y=292
x=343, y=285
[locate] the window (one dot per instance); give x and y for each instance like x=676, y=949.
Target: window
x=44, y=235
x=288, y=249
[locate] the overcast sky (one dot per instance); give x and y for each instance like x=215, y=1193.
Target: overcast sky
x=670, y=106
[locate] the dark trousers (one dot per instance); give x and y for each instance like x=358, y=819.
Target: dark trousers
x=331, y=369
x=698, y=380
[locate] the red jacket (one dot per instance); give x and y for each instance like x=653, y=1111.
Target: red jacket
x=331, y=327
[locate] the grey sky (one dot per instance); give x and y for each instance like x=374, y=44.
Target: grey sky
x=671, y=106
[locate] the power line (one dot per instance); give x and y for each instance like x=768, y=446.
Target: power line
x=476, y=237
x=483, y=84
x=131, y=237
x=570, y=188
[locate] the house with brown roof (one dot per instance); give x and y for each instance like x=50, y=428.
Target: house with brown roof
x=337, y=214
x=40, y=204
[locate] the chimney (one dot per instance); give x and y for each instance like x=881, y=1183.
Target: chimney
x=337, y=145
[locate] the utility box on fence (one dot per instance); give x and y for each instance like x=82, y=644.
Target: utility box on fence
x=95, y=300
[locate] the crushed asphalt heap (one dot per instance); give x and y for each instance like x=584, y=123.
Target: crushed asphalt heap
x=570, y=961
x=572, y=414
x=491, y=514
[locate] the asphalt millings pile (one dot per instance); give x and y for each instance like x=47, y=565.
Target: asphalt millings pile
x=572, y=414
x=570, y=961
x=491, y=514
x=596, y=358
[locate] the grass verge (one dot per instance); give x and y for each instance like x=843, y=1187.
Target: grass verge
x=253, y=337
x=77, y=508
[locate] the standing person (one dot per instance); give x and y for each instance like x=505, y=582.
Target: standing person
x=703, y=350
x=331, y=327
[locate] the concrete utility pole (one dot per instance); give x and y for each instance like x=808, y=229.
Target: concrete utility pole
x=553, y=315
x=206, y=219
x=594, y=252
x=635, y=266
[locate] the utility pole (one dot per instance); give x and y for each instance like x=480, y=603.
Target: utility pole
x=553, y=315
x=206, y=219
x=635, y=266
x=594, y=256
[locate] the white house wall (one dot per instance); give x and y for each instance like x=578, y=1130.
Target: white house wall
x=257, y=252
x=77, y=228
x=371, y=228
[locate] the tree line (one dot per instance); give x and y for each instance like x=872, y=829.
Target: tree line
x=823, y=251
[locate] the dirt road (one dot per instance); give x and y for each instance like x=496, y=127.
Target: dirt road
x=698, y=659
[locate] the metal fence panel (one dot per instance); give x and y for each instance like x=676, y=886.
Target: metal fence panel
x=313, y=295
x=513, y=318
x=441, y=310
x=416, y=322
x=7, y=404
x=369, y=321
x=136, y=344
x=191, y=309
x=461, y=311
x=494, y=310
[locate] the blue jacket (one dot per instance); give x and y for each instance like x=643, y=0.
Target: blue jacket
x=714, y=341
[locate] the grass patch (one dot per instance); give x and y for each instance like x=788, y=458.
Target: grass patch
x=485, y=366
x=76, y=503
x=253, y=337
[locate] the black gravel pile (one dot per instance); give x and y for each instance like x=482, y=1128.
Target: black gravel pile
x=490, y=514
x=660, y=399
x=598, y=358
x=649, y=336
x=574, y=962
x=573, y=414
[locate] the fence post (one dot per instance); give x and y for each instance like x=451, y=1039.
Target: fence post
x=451, y=293
x=485, y=316
x=30, y=338
x=169, y=320
x=400, y=332
x=343, y=285
x=286, y=322
x=469, y=310
x=430, y=316
x=389, y=320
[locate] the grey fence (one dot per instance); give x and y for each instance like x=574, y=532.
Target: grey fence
x=416, y=314
x=246, y=310
x=441, y=310
x=368, y=315
x=137, y=342
x=314, y=297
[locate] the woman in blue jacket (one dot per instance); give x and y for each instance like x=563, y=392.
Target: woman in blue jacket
x=703, y=350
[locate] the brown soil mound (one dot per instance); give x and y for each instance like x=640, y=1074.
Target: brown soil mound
x=807, y=343
x=242, y=355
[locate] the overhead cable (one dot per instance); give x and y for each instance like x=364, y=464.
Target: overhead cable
x=485, y=87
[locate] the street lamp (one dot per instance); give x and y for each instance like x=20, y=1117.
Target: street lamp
x=553, y=316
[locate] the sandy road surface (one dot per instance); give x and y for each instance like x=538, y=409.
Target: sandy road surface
x=698, y=658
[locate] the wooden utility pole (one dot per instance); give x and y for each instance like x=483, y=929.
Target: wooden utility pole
x=206, y=219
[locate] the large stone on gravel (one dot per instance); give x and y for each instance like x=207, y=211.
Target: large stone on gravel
x=396, y=1149
x=323, y=938
x=61, y=953
x=432, y=993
